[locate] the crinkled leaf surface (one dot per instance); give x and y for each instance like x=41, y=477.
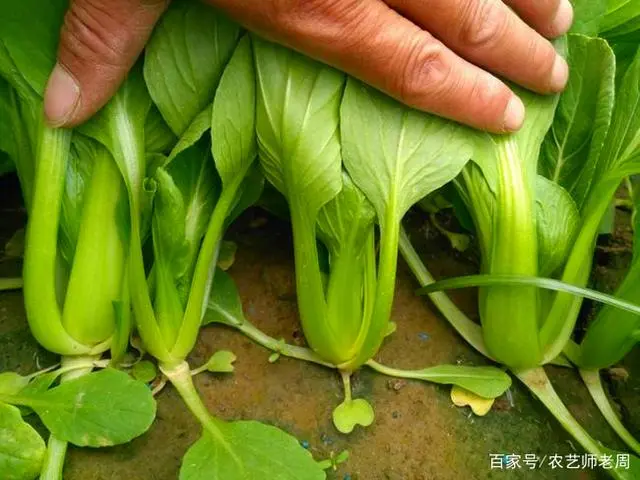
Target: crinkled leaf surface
x=22, y=450
x=185, y=58
x=265, y=452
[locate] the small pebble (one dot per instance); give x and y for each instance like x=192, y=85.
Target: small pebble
x=395, y=415
x=396, y=385
x=326, y=439
x=424, y=336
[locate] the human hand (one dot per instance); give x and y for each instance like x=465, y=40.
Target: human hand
x=434, y=55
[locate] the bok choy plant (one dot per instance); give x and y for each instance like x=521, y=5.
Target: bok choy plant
x=608, y=340
x=75, y=286
x=210, y=176
x=537, y=199
x=309, y=118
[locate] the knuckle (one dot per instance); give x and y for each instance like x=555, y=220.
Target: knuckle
x=423, y=70
x=488, y=95
x=315, y=18
x=88, y=35
x=483, y=24
x=542, y=57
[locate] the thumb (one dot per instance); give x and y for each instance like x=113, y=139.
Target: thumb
x=100, y=41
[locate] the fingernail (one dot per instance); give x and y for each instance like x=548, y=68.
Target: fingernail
x=62, y=97
x=514, y=114
x=563, y=19
x=559, y=75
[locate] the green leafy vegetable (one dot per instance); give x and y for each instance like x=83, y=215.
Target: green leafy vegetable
x=100, y=409
x=261, y=452
x=21, y=448
x=185, y=58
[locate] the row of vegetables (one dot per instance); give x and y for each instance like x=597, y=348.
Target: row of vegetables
x=127, y=215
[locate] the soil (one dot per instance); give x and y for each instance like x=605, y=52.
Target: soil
x=418, y=433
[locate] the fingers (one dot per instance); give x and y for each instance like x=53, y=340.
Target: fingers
x=100, y=41
x=551, y=18
x=489, y=34
x=375, y=44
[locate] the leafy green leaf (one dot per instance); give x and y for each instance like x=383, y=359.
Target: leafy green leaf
x=621, y=152
x=224, y=304
x=158, y=137
x=349, y=214
x=588, y=16
x=185, y=58
x=264, y=452
x=11, y=383
x=196, y=129
x=97, y=410
x=189, y=184
x=227, y=254
x=17, y=124
x=461, y=397
x=396, y=155
x=6, y=164
x=22, y=450
x=233, y=138
x=299, y=148
x=487, y=382
x=571, y=150
x=144, y=371
x=41, y=383
x=297, y=124
x=351, y=413
x=557, y=225
x=622, y=18
x=221, y=362
x=29, y=31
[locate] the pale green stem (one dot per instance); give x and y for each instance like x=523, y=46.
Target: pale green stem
x=279, y=346
x=593, y=382
x=180, y=377
x=41, y=240
x=7, y=284
x=346, y=382
x=203, y=274
x=54, y=459
x=537, y=381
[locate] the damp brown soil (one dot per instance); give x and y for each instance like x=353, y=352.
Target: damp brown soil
x=418, y=433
